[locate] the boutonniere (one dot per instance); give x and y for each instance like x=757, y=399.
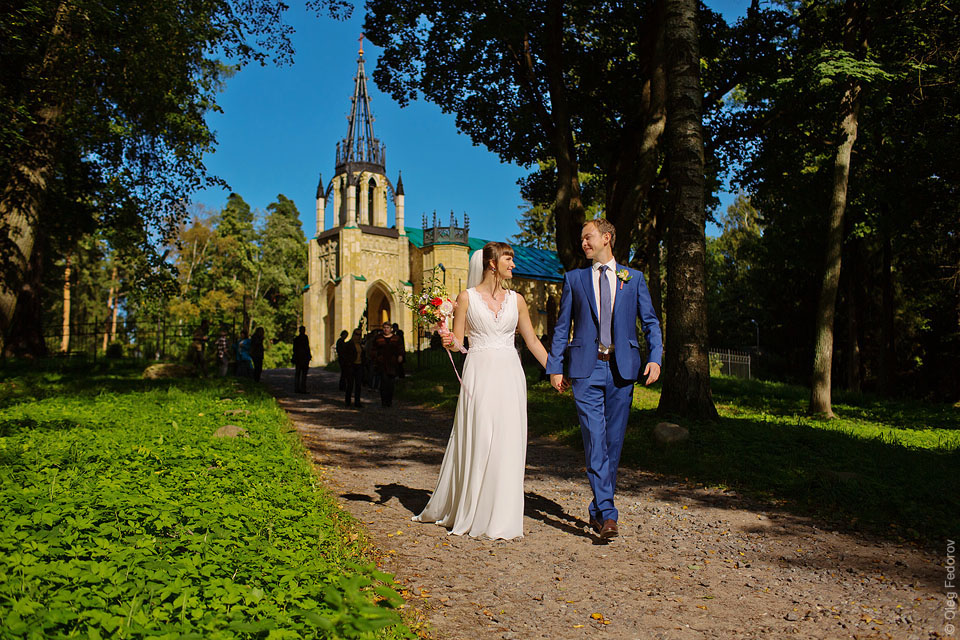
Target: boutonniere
x=623, y=276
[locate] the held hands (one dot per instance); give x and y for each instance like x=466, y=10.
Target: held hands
x=559, y=382
x=652, y=371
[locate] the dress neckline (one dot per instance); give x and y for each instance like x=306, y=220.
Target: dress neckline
x=496, y=314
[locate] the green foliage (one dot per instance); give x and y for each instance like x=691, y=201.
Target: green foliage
x=283, y=269
x=899, y=290
x=123, y=517
x=734, y=281
x=575, y=84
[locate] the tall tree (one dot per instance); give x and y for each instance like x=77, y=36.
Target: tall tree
x=820, y=387
x=686, y=375
x=577, y=84
x=783, y=130
x=284, y=272
x=115, y=92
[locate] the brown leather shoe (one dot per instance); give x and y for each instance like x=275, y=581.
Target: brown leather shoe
x=609, y=529
x=595, y=524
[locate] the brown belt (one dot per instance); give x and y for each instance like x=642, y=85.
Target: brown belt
x=604, y=357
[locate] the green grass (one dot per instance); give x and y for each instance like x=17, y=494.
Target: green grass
x=883, y=466
x=122, y=517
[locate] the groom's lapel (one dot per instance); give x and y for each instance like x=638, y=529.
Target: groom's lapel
x=616, y=289
x=587, y=282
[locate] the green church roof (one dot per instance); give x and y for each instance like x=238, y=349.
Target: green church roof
x=533, y=264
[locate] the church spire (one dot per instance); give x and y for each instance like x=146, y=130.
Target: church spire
x=360, y=148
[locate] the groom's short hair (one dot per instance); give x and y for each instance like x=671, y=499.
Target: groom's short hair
x=604, y=226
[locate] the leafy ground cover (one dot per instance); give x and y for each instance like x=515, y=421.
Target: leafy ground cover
x=123, y=517
x=887, y=466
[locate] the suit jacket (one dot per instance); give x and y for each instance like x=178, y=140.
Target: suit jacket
x=578, y=304
x=301, y=351
x=386, y=353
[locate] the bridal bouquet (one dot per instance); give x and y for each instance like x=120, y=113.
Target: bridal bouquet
x=433, y=306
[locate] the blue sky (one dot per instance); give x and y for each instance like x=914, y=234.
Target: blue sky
x=280, y=126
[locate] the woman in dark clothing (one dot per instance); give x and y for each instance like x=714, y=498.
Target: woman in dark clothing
x=256, y=353
x=387, y=355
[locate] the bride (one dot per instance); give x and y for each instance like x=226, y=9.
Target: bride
x=480, y=489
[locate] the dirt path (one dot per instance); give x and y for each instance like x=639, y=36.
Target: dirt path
x=690, y=563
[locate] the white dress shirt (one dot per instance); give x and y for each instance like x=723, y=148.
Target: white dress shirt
x=611, y=282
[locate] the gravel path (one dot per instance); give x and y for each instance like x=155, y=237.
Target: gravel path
x=690, y=562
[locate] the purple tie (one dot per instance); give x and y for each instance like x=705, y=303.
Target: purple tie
x=605, y=339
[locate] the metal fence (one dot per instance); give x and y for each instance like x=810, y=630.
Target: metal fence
x=144, y=340
x=731, y=363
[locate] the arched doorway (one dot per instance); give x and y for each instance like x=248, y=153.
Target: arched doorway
x=380, y=305
x=329, y=326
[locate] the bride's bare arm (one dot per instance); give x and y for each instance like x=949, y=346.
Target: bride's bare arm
x=459, y=323
x=525, y=327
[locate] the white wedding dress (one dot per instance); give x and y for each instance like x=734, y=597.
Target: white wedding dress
x=480, y=489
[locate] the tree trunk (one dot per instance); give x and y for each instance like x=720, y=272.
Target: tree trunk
x=820, y=388
x=568, y=210
x=635, y=165
x=26, y=336
x=65, y=336
x=23, y=195
x=853, y=333
x=686, y=375
x=653, y=235
x=113, y=319
x=111, y=306
x=888, y=357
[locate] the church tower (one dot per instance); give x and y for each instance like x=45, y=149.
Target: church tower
x=357, y=263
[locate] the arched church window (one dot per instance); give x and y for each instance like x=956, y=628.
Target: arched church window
x=371, y=212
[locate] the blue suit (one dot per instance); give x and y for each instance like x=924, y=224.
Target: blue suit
x=603, y=390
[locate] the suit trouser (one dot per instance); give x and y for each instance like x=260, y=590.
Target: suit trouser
x=603, y=405
x=300, y=378
x=354, y=383
x=387, y=385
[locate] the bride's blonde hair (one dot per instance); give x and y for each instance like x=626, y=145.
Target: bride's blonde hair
x=492, y=252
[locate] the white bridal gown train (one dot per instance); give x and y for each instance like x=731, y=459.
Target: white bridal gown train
x=480, y=489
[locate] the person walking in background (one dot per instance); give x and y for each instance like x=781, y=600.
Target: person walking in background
x=370, y=372
x=343, y=359
x=387, y=355
x=256, y=352
x=223, y=353
x=244, y=361
x=301, y=361
x=198, y=347
x=403, y=350
x=355, y=367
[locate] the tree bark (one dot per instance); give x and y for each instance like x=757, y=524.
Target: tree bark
x=853, y=333
x=820, y=387
x=26, y=338
x=634, y=168
x=110, y=308
x=65, y=335
x=23, y=195
x=686, y=375
x=569, y=213
x=888, y=353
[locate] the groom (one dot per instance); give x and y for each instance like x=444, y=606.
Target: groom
x=602, y=361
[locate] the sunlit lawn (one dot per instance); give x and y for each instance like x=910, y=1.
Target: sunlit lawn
x=890, y=466
x=122, y=515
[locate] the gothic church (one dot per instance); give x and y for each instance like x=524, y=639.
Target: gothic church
x=358, y=264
